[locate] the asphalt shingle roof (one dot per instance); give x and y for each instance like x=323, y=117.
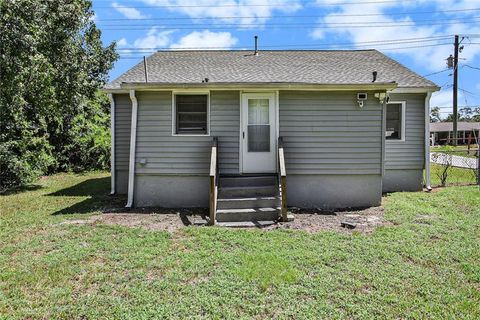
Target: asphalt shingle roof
x=448, y=126
x=279, y=66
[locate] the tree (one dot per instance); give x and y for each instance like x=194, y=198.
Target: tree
x=52, y=65
x=435, y=114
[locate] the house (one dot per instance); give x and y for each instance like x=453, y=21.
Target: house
x=215, y=129
x=442, y=133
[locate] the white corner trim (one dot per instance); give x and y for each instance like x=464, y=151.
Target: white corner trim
x=133, y=138
x=112, y=147
x=427, y=141
x=402, y=122
x=382, y=136
x=240, y=136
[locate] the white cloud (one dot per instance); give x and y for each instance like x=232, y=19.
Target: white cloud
x=128, y=12
x=122, y=42
x=243, y=11
x=153, y=39
x=442, y=99
x=431, y=57
x=202, y=39
x=156, y=39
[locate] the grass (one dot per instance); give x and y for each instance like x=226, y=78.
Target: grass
x=456, y=176
x=426, y=265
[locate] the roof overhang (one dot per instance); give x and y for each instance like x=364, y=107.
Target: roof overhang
x=153, y=86
x=415, y=89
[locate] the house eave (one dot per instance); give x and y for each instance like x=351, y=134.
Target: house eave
x=159, y=86
x=415, y=89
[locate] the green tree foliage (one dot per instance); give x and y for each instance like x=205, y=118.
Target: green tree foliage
x=435, y=114
x=467, y=114
x=52, y=63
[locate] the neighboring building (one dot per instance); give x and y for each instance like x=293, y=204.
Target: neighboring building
x=442, y=133
x=343, y=143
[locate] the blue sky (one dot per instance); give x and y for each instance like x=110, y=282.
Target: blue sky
x=417, y=33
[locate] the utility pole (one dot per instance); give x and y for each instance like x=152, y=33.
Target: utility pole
x=455, y=92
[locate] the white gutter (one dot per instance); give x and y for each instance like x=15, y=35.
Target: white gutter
x=112, y=148
x=427, y=140
x=133, y=139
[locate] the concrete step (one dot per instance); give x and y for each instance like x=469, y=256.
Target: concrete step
x=245, y=203
x=246, y=224
x=248, y=192
x=248, y=214
x=247, y=181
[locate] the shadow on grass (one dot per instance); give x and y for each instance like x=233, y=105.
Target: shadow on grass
x=97, y=190
x=16, y=190
x=95, y=187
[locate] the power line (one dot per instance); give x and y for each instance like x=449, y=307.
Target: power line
x=471, y=67
x=385, y=49
x=475, y=18
x=365, y=43
x=290, y=16
x=252, y=5
x=284, y=26
x=433, y=73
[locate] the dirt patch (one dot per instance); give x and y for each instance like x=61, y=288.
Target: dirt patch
x=313, y=221
x=150, y=219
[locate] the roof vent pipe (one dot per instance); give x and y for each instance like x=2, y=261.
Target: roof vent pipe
x=374, y=73
x=145, y=69
x=256, y=45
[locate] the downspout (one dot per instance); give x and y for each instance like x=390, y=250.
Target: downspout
x=427, y=141
x=112, y=147
x=382, y=136
x=133, y=139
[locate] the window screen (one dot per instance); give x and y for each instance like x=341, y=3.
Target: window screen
x=191, y=114
x=394, y=121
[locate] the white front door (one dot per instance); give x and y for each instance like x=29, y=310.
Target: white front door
x=259, y=133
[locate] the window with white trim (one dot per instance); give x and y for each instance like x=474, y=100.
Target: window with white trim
x=395, y=125
x=191, y=114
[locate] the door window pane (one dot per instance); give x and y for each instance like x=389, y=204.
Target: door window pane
x=258, y=125
x=258, y=111
x=259, y=138
x=394, y=122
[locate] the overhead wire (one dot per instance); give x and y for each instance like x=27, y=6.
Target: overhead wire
x=288, y=16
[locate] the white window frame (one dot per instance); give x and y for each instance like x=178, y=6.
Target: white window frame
x=402, y=122
x=174, y=111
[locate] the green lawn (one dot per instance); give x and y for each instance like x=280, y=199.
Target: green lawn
x=425, y=265
x=455, y=176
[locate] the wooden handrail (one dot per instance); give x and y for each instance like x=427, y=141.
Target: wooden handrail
x=213, y=181
x=283, y=179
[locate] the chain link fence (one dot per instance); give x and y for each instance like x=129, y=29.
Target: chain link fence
x=457, y=165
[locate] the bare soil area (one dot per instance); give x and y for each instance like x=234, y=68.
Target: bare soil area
x=311, y=221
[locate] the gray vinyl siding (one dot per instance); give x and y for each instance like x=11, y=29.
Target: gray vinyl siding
x=225, y=124
x=168, y=154
x=408, y=154
x=327, y=133
x=123, y=116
